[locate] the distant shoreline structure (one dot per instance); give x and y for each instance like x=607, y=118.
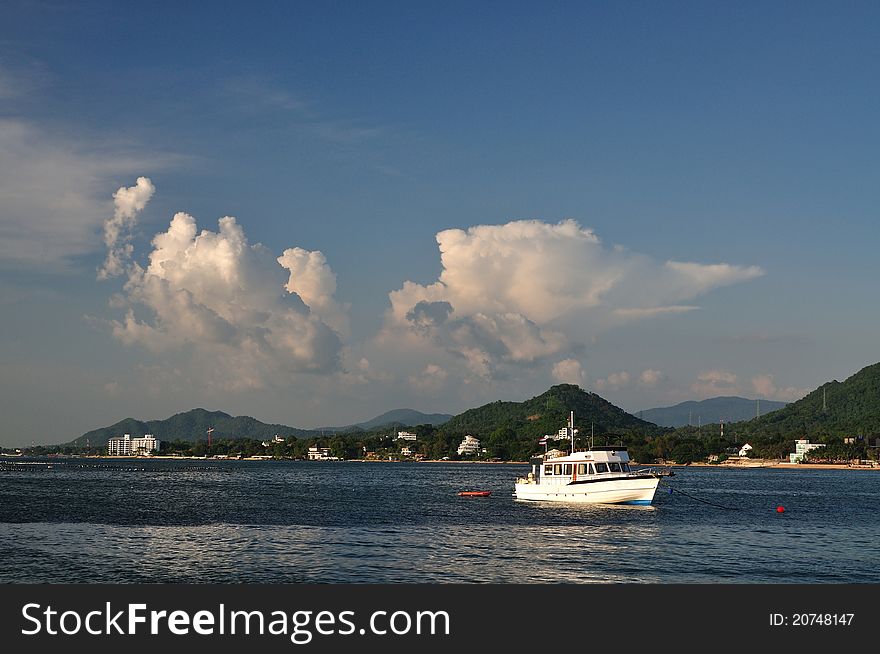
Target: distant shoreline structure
x=753, y=464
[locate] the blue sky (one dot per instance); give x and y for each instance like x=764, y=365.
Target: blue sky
x=710, y=133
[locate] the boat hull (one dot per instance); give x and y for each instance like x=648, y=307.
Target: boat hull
x=631, y=490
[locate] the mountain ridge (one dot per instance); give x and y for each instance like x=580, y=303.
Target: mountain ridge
x=729, y=408
x=192, y=425
x=402, y=417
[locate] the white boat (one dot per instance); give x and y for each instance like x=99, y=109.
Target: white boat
x=599, y=475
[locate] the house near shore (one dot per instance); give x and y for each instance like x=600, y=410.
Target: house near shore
x=801, y=447
x=470, y=445
x=316, y=453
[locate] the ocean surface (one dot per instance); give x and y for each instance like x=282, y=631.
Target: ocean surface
x=136, y=521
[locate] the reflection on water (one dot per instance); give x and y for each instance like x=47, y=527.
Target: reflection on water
x=178, y=521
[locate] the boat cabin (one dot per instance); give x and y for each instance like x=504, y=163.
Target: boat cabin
x=598, y=463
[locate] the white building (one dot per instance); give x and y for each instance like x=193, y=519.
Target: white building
x=801, y=447
x=319, y=453
x=128, y=446
x=405, y=436
x=405, y=451
x=745, y=449
x=470, y=445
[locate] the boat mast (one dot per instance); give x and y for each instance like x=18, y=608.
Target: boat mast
x=571, y=429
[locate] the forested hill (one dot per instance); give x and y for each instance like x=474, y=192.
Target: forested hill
x=547, y=414
x=191, y=426
x=850, y=408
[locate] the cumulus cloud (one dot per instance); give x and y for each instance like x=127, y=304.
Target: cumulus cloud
x=614, y=382
x=315, y=283
x=128, y=202
x=764, y=387
x=650, y=377
x=431, y=378
x=715, y=382
x=569, y=371
x=225, y=303
x=520, y=293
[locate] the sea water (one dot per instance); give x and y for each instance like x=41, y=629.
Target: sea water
x=137, y=520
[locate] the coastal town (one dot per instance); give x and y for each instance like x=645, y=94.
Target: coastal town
x=403, y=447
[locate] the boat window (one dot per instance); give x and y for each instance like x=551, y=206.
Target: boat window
x=601, y=467
x=557, y=469
x=625, y=467
x=548, y=469
x=583, y=468
x=592, y=471
x=615, y=467
x=567, y=469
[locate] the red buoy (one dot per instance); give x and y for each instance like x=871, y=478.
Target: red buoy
x=780, y=509
x=475, y=493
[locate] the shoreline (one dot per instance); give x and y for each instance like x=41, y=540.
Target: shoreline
x=751, y=465
x=758, y=464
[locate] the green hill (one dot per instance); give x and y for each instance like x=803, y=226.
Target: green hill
x=191, y=426
x=510, y=430
x=849, y=408
x=548, y=413
x=833, y=412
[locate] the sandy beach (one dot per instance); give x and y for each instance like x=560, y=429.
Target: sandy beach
x=759, y=463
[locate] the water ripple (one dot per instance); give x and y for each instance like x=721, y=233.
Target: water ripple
x=77, y=520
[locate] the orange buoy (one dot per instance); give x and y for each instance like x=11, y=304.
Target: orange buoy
x=780, y=509
x=475, y=493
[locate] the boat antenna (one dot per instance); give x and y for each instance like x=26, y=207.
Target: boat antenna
x=591, y=435
x=571, y=429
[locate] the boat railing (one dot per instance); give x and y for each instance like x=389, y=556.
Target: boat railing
x=654, y=471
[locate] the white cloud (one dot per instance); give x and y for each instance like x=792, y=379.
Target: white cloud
x=569, y=371
x=764, y=387
x=650, y=377
x=128, y=203
x=223, y=303
x=715, y=382
x=614, y=382
x=313, y=281
x=692, y=279
x=517, y=294
x=52, y=193
x=431, y=378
